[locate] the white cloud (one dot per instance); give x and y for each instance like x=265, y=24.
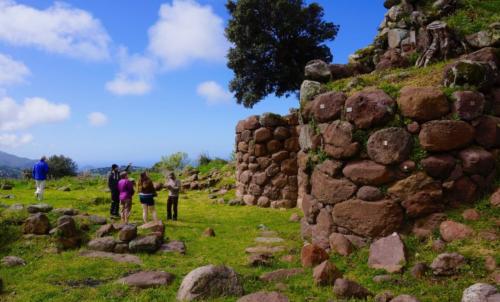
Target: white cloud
x=33, y=111
x=12, y=71
x=135, y=76
x=14, y=140
x=213, y=93
x=60, y=29
x=187, y=31
x=97, y=119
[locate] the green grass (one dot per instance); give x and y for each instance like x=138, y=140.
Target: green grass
x=61, y=277
x=474, y=16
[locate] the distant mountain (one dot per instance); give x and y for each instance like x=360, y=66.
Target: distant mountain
x=12, y=161
x=104, y=171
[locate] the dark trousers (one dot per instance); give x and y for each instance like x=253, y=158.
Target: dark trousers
x=172, y=203
x=115, y=203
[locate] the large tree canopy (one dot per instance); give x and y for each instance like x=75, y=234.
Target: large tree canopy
x=273, y=40
x=60, y=166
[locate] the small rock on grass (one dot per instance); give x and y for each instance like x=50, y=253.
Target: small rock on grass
x=261, y=259
x=11, y=261
x=405, y=298
x=385, y=296
x=326, y=273
x=312, y=255
x=148, y=279
x=281, y=274
x=471, y=214
x=447, y=264
x=294, y=217
x=264, y=297
x=344, y=288
x=480, y=292
x=209, y=232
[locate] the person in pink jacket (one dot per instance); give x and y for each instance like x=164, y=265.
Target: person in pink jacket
x=126, y=189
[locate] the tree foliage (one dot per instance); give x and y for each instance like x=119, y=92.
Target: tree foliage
x=273, y=41
x=173, y=162
x=60, y=166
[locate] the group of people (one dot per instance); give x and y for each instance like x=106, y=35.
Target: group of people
x=123, y=189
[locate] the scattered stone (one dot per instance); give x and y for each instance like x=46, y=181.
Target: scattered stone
x=269, y=240
x=405, y=298
x=173, y=246
x=145, y=244
x=495, y=199
x=37, y=224
x=294, y=217
x=447, y=264
x=128, y=233
x=209, y=232
x=64, y=189
x=344, y=288
x=67, y=235
x=125, y=258
x=281, y=274
x=471, y=214
x=209, y=282
x=326, y=273
x=264, y=296
x=262, y=259
x=39, y=208
x=490, y=263
x=66, y=211
x=340, y=244
x=312, y=255
x=451, y=230
x=438, y=245
x=480, y=292
x=104, y=244
x=419, y=270
x=11, y=261
x=121, y=248
x=357, y=241
x=458, y=135
x=382, y=278
x=385, y=296
x=265, y=249
x=424, y=227
x=388, y=253
x=105, y=230
x=147, y=279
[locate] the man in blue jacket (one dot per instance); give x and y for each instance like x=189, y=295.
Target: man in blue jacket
x=40, y=171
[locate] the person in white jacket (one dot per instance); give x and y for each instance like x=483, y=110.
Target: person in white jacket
x=173, y=186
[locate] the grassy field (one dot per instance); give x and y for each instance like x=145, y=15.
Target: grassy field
x=67, y=277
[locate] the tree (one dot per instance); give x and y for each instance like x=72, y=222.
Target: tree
x=273, y=41
x=60, y=166
x=172, y=162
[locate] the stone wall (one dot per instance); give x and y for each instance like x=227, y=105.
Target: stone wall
x=371, y=164
x=267, y=147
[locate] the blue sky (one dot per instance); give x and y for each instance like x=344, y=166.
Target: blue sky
x=128, y=80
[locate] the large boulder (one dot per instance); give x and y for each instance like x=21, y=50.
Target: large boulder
x=369, y=219
x=210, y=282
x=389, y=146
x=468, y=105
x=388, y=253
x=423, y=103
x=488, y=131
x=308, y=90
x=328, y=106
x=147, y=279
x=370, y=107
x=68, y=236
x=447, y=264
x=366, y=172
x=476, y=160
x=127, y=233
x=480, y=292
x=37, y=224
x=317, y=70
x=445, y=135
x=469, y=73
x=330, y=190
x=340, y=244
x=262, y=135
x=439, y=166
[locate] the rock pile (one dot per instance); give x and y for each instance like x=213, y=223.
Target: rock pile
x=267, y=147
x=368, y=162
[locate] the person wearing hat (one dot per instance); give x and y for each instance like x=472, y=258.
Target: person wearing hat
x=113, y=179
x=126, y=192
x=173, y=186
x=39, y=173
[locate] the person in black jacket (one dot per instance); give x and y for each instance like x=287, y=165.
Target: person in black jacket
x=113, y=179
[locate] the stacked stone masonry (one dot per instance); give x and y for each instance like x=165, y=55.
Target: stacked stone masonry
x=267, y=147
x=371, y=164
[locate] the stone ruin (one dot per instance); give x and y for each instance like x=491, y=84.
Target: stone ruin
x=267, y=147
x=369, y=164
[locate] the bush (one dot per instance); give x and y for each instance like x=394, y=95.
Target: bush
x=61, y=166
x=172, y=162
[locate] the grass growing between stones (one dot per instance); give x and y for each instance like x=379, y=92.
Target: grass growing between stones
x=68, y=277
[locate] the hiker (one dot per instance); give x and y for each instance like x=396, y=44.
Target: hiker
x=147, y=194
x=39, y=173
x=173, y=186
x=113, y=179
x=126, y=192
